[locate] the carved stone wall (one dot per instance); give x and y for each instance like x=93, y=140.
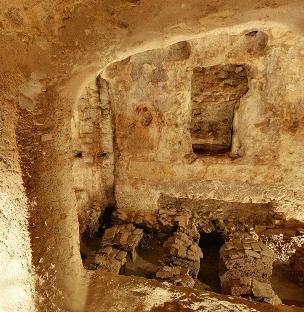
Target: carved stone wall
x=93, y=156
x=215, y=92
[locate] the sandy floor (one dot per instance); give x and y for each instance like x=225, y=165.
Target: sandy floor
x=107, y=292
x=289, y=292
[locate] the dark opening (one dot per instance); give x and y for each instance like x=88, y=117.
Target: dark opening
x=90, y=242
x=252, y=33
x=78, y=154
x=149, y=257
x=105, y=220
x=208, y=277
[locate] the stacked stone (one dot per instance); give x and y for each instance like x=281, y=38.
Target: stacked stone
x=123, y=237
x=118, y=244
x=184, y=252
x=246, y=269
x=109, y=259
x=176, y=275
x=297, y=265
x=167, y=219
x=144, y=219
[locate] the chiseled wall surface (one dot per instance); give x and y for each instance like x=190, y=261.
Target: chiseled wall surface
x=93, y=161
x=151, y=98
x=17, y=277
x=69, y=43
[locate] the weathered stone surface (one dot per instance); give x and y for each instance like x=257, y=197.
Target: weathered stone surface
x=176, y=275
x=123, y=237
x=64, y=45
x=246, y=268
x=264, y=290
x=215, y=93
x=297, y=265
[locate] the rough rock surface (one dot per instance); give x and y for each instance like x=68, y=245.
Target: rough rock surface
x=297, y=265
x=246, y=269
x=124, y=237
x=184, y=252
x=51, y=51
x=121, y=293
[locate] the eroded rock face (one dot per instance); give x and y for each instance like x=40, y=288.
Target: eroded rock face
x=93, y=158
x=67, y=44
x=226, y=95
x=172, y=103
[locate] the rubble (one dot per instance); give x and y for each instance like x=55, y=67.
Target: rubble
x=108, y=259
x=123, y=237
x=246, y=269
x=297, y=265
x=118, y=245
x=246, y=263
x=184, y=252
x=176, y=275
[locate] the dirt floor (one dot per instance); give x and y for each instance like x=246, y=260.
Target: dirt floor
x=107, y=292
x=149, y=259
x=289, y=292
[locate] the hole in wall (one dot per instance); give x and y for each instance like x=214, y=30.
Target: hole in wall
x=78, y=154
x=252, y=33
x=105, y=219
x=215, y=93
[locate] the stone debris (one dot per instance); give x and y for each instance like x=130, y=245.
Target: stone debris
x=144, y=219
x=123, y=237
x=108, y=259
x=184, y=252
x=176, y=275
x=265, y=292
x=246, y=269
x=192, y=217
x=297, y=265
x=118, y=245
x=245, y=262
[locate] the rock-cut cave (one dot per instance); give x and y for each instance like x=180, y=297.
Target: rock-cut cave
x=151, y=156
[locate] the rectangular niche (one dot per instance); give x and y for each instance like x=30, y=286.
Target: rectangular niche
x=215, y=92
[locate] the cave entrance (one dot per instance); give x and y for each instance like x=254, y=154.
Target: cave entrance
x=208, y=277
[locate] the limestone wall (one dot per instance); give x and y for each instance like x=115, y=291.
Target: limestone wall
x=151, y=100
x=17, y=275
x=93, y=158
x=70, y=43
